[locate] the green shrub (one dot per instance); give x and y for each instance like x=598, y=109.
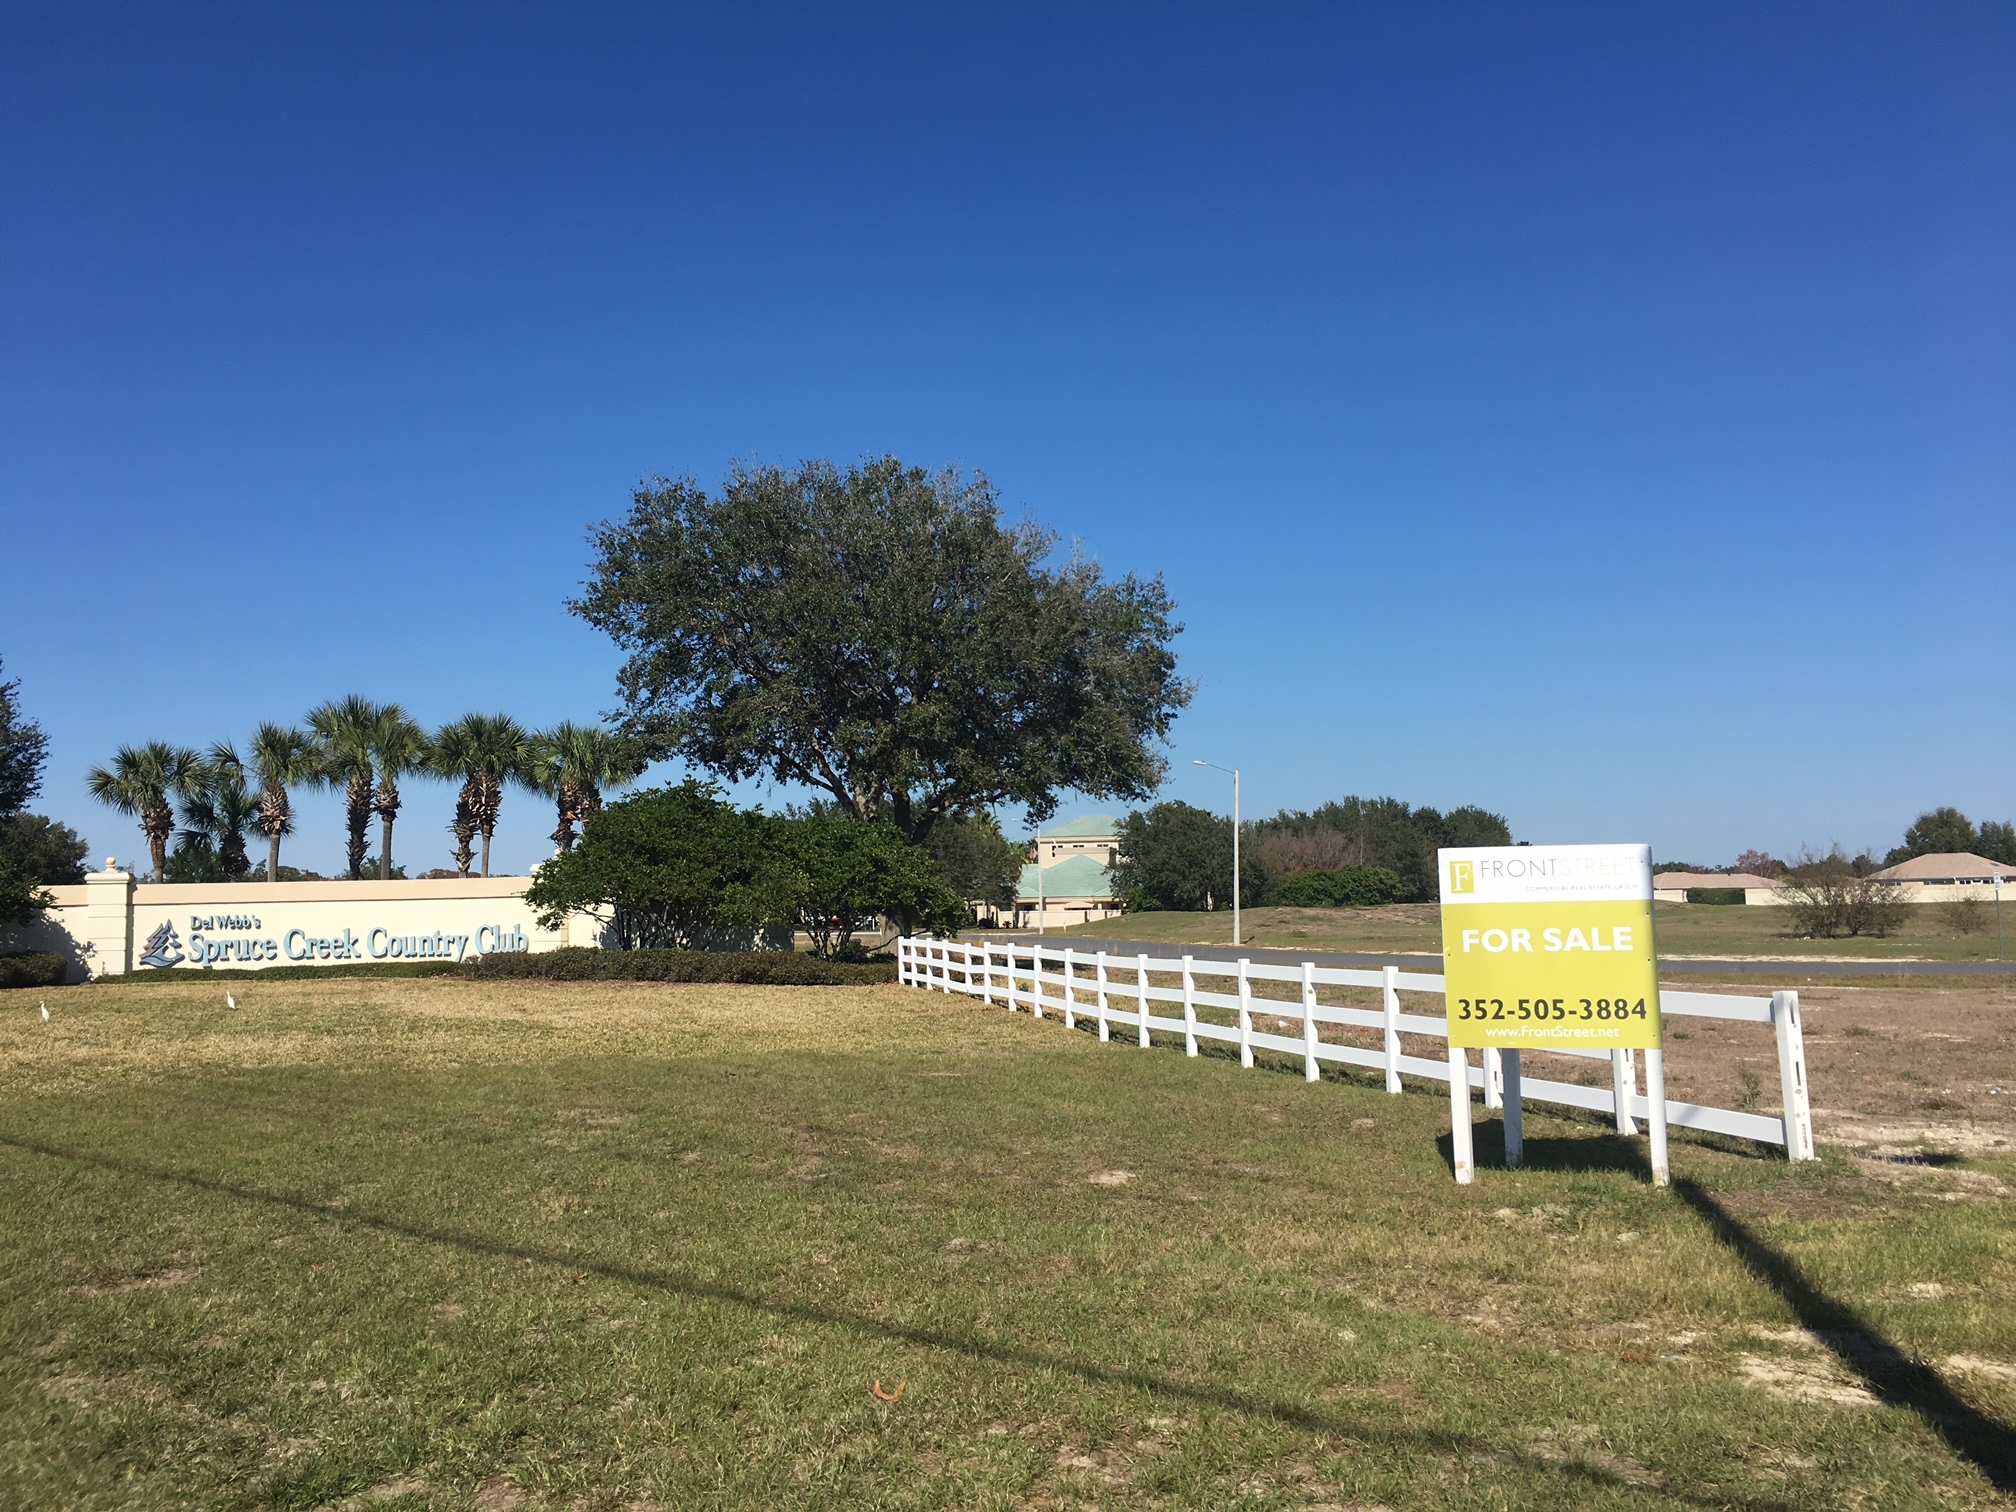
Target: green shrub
x=32, y=968
x=1715, y=895
x=1345, y=887
x=754, y=968
x=680, y=868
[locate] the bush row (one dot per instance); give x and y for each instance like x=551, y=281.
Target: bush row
x=1340, y=887
x=1717, y=895
x=32, y=968
x=756, y=968
x=292, y=973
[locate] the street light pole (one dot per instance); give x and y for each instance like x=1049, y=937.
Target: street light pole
x=1237, y=938
x=1039, y=879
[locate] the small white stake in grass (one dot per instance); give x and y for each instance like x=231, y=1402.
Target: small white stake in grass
x=230, y=1001
x=45, y=1013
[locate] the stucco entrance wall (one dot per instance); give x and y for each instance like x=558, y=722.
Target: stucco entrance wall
x=113, y=924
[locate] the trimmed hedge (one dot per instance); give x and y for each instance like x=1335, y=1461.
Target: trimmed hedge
x=1723, y=895
x=290, y=973
x=32, y=968
x=754, y=968
x=1346, y=887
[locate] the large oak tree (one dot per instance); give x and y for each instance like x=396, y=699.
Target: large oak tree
x=880, y=635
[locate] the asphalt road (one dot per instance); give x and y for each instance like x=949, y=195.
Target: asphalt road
x=1688, y=967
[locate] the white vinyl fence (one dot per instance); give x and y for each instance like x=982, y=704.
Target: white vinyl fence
x=1119, y=992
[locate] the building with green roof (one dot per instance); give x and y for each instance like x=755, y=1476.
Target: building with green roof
x=1075, y=857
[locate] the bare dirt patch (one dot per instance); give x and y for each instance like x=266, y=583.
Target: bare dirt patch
x=1913, y=1066
x=157, y=1281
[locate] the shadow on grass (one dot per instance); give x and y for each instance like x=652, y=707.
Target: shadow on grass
x=1612, y=1152
x=1279, y=1063
x=1588, y=1475
x=1893, y=1376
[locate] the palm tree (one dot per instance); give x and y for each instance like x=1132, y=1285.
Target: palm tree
x=281, y=757
x=572, y=764
x=485, y=751
x=400, y=746
x=344, y=731
x=217, y=808
x=138, y=783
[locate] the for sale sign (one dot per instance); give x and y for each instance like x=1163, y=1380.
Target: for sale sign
x=1550, y=945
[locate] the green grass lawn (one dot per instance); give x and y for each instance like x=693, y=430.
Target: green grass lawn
x=1685, y=929
x=432, y=1243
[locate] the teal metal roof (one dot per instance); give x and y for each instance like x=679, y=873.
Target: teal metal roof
x=1079, y=877
x=1085, y=826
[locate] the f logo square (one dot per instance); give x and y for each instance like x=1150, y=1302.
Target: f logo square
x=1462, y=876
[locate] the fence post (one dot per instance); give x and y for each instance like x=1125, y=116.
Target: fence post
x=1392, y=1028
x=1792, y=1076
x=1624, y=1078
x=1515, y=1122
x=987, y=972
x=1655, y=1097
x=1189, y=1009
x=1036, y=980
x=1141, y=989
x=1105, y=1029
x=1494, y=1079
x=1070, y=987
x=1311, y=1071
x=1462, y=1153
x=1245, y=1017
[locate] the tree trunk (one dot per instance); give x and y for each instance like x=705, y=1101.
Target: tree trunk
x=385, y=852
x=272, y=858
x=486, y=853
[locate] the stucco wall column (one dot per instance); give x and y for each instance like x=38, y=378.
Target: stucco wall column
x=108, y=920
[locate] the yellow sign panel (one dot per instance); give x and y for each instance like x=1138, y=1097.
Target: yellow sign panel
x=1550, y=946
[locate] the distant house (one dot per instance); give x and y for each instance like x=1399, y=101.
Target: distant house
x=1074, y=858
x=1673, y=887
x=1922, y=879
x=1944, y=877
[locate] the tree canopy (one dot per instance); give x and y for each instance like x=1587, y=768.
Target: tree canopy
x=877, y=634
x=1179, y=856
x=24, y=749
x=1943, y=831
x=975, y=859
x=681, y=867
x=1354, y=852
x=845, y=874
x=23, y=858
x=1381, y=832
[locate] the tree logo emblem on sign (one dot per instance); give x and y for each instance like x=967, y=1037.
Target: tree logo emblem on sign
x=164, y=948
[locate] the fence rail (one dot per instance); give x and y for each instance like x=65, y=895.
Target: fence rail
x=1121, y=992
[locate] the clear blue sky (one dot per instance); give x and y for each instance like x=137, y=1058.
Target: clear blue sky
x=1605, y=414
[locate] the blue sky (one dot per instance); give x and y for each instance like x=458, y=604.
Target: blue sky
x=1605, y=414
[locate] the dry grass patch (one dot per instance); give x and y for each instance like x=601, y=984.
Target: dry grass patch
x=431, y=1243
